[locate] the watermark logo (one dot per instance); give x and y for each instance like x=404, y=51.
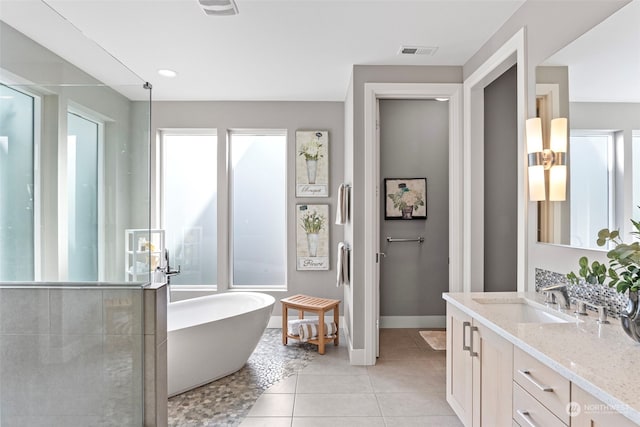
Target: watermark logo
x=573, y=409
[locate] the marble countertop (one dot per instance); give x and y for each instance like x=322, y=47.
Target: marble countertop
x=601, y=359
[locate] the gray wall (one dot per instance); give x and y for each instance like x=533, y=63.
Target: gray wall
x=354, y=170
x=292, y=116
x=414, y=141
x=501, y=183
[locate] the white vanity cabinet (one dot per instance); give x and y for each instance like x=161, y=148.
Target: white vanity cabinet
x=591, y=412
x=541, y=395
x=459, y=364
x=479, y=363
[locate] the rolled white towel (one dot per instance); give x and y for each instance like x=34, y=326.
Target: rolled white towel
x=309, y=331
x=294, y=325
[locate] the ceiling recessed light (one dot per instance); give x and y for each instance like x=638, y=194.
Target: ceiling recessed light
x=442, y=99
x=167, y=73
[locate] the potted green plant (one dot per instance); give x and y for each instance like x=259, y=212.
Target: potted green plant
x=313, y=223
x=622, y=272
x=406, y=200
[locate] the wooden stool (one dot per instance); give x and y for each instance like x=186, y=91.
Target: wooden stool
x=320, y=306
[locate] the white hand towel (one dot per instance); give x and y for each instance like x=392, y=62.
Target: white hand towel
x=340, y=265
x=341, y=209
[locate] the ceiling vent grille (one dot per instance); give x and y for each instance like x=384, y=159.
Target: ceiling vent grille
x=417, y=50
x=219, y=7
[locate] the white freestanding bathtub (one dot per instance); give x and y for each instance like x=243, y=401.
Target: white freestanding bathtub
x=213, y=336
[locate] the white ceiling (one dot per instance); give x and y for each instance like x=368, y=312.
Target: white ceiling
x=604, y=64
x=272, y=50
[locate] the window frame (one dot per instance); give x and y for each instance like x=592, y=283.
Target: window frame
x=88, y=115
x=36, y=161
x=159, y=214
x=612, y=167
x=231, y=285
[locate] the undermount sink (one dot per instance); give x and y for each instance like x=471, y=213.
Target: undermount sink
x=522, y=310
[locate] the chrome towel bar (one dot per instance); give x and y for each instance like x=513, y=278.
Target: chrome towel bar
x=417, y=239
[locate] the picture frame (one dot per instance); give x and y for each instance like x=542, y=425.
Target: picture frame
x=312, y=237
x=312, y=163
x=405, y=198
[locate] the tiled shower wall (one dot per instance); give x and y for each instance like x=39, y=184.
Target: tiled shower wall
x=594, y=294
x=71, y=356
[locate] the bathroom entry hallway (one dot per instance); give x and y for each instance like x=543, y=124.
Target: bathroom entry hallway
x=406, y=387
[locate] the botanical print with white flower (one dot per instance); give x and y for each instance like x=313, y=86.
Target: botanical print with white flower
x=405, y=198
x=312, y=237
x=312, y=165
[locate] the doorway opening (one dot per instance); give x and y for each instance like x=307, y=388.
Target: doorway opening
x=374, y=193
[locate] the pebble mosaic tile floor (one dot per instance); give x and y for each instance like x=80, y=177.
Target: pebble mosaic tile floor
x=226, y=402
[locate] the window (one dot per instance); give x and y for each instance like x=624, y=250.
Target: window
x=83, y=137
x=189, y=198
x=17, y=179
x=591, y=175
x=258, y=208
x=635, y=170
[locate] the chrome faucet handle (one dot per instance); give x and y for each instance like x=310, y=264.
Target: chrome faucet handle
x=581, y=307
x=602, y=314
x=602, y=310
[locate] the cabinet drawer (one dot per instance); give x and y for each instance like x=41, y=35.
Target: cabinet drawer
x=527, y=411
x=543, y=383
x=595, y=413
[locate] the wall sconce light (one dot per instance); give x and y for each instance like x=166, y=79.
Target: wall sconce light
x=552, y=159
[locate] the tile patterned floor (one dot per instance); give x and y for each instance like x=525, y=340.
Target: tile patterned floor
x=226, y=402
x=405, y=388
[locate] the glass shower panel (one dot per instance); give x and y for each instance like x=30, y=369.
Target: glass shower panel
x=82, y=196
x=16, y=185
x=73, y=354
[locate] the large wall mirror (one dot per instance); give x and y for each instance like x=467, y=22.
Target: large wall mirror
x=595, y=82
x=74, y=159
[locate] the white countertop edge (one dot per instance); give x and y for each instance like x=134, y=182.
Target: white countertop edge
x=629, y=412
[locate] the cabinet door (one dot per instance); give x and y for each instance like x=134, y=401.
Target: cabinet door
x=591, y=412
x=492, y=378
x=459, y=364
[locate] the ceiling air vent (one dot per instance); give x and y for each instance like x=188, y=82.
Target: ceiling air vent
x=219, y=7
x=417, y=50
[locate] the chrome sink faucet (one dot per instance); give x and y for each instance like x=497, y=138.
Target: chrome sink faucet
x=560, y=294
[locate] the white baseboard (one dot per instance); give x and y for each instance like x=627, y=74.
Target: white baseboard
x=356, y=356
x=413, y=321
x=275, y=322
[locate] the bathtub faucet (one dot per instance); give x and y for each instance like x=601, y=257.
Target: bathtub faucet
x=167, y=269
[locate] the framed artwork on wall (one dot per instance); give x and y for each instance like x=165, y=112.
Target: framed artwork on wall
x=312, y=237
x=405, y=198
x=312, y=163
